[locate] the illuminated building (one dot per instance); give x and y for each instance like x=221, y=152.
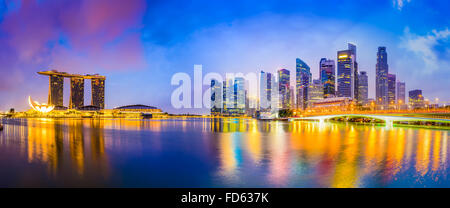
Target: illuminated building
x=303, y=79
x=346, y=82
x=239, y=95
x=76, y=92
x=331, y=104
x=400, y=93
x=352, y=48
x=55, y=92
x=275, y=96
x=381, y=81
x=363, y=88
x=416, y=99
x=98, y=92
x=292, y=96
x=265, y=91
x=283, y=87
x=315, y=92
x=56, y=89
x=138, y=108
x=216, y=97
x=228, y=96
x=328, y=77
x=391, y=88
x=42, y=108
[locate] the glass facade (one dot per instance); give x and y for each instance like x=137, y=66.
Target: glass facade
x=391, y=88
x=283, y=87
x=315, y=92
x=216, y=97
x=239, y=95
x=400, y=95
x=76, y=92
x=56, y=90
x=381, y=82
x=416, y=99
x=98, y=92
x=345, y=77
x=303, y=79
x=265, y=90
x=328, y=77
x=363, y=88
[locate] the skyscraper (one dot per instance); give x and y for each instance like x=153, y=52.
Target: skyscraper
x=346, y=75
x=283, y=87
x=381, y=81
x=55, y=95
x=98, y=92
x=228, y=96
x=363, y=88
x=239, y=95
x=352, y=48
x=275, y=104
x=76, y=92
x=328, y=77
x=315, y=91
x=416, y=99
x=400, y=95
x=216, y=97
x=391, y=89
x=265, y=90
x=303, y=79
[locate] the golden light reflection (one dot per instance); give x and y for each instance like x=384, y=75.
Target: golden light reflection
x=423, y=152
x=49, y=139
x=335, y=154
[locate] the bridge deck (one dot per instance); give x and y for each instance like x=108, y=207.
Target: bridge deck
x=381, y=117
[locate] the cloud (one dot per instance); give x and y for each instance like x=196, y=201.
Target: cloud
x=399, y=4
x=62, y=34
x=431, y=48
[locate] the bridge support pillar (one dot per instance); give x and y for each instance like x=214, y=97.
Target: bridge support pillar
x=389, y=124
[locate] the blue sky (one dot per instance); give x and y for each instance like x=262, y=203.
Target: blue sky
x=160, y=38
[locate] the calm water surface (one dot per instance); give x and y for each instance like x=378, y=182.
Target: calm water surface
x=219, y=153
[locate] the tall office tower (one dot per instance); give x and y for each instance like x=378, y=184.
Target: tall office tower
x=284, y=80
x=98, y=92
x=328, y=77
x=239, y=95
x=416, y=99
x=216, y=97
x=356, y=82
x=76, y=92
x=275, y=104
x=352, y=48
x=363, y=88
x=400, y=95
x=292, y=97
x=315, y=91
x=265, y=90
x=346, y=82
x=391, y=89
x=381, y=81
x=303, y=79
x=228, y=96
x=56, y=90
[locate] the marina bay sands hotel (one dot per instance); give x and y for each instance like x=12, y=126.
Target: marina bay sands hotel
x=56, y=88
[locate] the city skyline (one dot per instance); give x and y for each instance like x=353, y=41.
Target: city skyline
x=139, y=61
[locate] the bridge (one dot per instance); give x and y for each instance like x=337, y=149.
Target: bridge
x=388, y=119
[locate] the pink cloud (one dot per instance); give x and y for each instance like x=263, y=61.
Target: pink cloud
x=96, y=34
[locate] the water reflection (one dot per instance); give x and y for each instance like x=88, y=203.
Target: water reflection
x=221, y=152
x=337, y=155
